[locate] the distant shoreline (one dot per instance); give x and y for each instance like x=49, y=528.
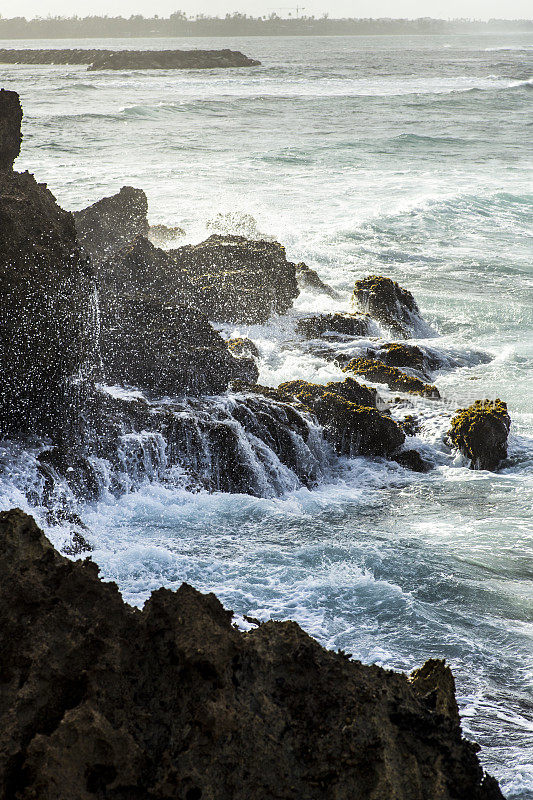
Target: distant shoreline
x=178, y=25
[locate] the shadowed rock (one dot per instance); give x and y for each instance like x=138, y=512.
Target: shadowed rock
x=393, y=377
x=316, y=325
x=310, y=279
x=112, y=223
x=386, y=301
x=102, y=700
x=239, y=280
x=45, y=292
x=10, y=133
x=132, y=59
x=480, y=433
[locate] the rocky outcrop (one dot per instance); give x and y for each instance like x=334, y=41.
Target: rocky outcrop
x=310, y=279
x=112, y=223
x=151, y=334
x=480, y=433
x=242, y=347
x=316, y=325
x=394, y=307
x=45, y=293
x=352, y=428
x=10, y=132
x=239, y=280
x=393, y=377
x=100, y=700
x=132, y=59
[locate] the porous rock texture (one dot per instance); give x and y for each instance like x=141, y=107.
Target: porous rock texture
x=239, y=280
x=100, y=700
x=45, y=291
x=395, y=307
x=112, y=223
x=152, y=335
x=480, y=433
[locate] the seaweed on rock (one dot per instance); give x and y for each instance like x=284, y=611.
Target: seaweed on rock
x=480, y=433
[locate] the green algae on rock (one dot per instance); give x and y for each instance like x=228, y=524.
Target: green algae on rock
x=480, y=433
x=393, y=377
x=172, y=701
x=242, y=346
x=386, y=301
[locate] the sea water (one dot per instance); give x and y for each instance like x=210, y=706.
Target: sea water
x=405, y=156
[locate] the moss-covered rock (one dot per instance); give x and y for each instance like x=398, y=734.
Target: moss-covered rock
x=239, y=280
x=393, y=377
x=480, y=433
x=395, y=354
x=316, y=325
x=352, y=429
x=386, y=301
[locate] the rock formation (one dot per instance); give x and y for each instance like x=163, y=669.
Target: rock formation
x=394, y=307
x=315, y=325
x=480, y=433
x=112, y=223
x=239, y=280
x=393, y=377
x=310, y=279
x=132, y=59
x=45, y=292
x=100, y=700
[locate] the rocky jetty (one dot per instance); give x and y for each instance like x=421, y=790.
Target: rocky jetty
x=239, y=280
x=100, y=700
x=132, y=59
x=45, y=297
x=393, y=306
x=480, y=433
x=112, y=223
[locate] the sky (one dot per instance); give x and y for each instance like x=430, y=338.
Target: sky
x=445, y=9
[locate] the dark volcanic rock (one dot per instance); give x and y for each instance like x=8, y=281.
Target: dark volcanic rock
x=386, y=301
x=152, y=335
x=310, y=279
x=480, y=432
x=45, y=291
x=411, y=459
x=393, y=377
x=242, y=347
x=239, y=280
x=10, y=133
x=132, y=59
x=316, y=325
x=353, y=429
x=100, y=700
x=112, y=223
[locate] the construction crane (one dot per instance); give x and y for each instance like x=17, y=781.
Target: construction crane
x=289, y=9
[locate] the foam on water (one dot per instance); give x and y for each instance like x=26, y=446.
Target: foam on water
x=407, y=156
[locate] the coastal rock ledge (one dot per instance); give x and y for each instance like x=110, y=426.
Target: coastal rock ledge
x=101, y=700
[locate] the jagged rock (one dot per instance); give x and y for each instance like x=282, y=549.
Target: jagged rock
x=403, y=355
x=394, y=378
x=480, y=433
x=152, y=336
x=239, y=280
x=241, y=346
x=10, y=132
x=316, y=325
x=352, y=429
x=411, y=459
x=103, y=700
x=386, y=301
x=112, y=223
x=45, y=291
x=309, y=279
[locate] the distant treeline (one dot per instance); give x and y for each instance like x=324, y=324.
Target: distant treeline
x=179, y=24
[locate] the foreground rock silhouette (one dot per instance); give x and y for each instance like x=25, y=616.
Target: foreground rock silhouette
x=100, y=700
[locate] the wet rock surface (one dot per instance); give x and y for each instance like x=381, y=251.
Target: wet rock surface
x=45, y=294
x=112, y=223
x=100, y=700
x=316, y=325
x=393, y=306
x=393, y=377
x=238, y=279
x=132, y=59
x=480, y=433
x=310, y=279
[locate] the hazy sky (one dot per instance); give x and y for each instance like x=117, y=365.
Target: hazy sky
x=480, y=9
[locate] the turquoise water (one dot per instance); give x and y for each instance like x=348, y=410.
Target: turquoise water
x=407, y=156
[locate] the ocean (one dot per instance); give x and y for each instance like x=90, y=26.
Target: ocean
x=405, y=156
